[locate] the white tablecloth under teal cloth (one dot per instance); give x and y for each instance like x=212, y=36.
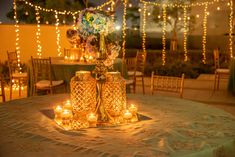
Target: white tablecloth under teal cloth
x=169, y=127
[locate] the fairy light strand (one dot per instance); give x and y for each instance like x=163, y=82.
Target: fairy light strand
x=204, y=35
x=74, y=22
x=17, y=35
x=112, y=9
x=164, y=35
x=185, y=35
x=65, y=12
x=38, y=34
x=57, y=34
x=231, y=29
x=124, y=33
x=124, y=29
x=181, y=5
x=143, y=28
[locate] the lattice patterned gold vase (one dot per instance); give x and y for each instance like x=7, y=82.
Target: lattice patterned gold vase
x=83, y=98
x=114, y=96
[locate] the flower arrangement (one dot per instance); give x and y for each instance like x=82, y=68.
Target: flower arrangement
x=90, y=25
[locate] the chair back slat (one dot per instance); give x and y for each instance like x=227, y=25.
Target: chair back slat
x=167, y=83
x=216, y=58
x=41, y=69
x=130, y=63
x=140, y=61
x=13, y=62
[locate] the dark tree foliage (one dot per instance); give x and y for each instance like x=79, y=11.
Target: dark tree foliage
x=26, y=14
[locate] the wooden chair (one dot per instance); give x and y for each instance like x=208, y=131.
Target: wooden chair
x=167, y=83
x=137, y=67
x=2, y=94
x=14, y=72
x=220, y=73
x=42, y=76
x=131, y=81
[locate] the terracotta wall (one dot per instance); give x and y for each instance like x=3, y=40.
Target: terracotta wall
x=27, y=40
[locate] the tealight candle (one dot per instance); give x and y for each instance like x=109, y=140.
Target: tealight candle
x=66, y=119
x=133, y=109
x=58, y=111
x=67, y=105
x=92, y=119
x=127, y=115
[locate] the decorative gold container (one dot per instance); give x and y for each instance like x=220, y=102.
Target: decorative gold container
x=83, y=96
x=114, y=95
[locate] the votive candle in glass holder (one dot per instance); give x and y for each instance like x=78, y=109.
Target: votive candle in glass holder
x=133, y=109
x=67, y=105
x=92, y=119
x=127, y=115
x=58, y=111
x=66, y=119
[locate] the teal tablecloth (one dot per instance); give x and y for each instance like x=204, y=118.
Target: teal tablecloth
x=62, y=70
x=171, y=127
x=231, y=81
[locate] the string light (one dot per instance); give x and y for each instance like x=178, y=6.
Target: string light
x=174, y=5
x=17, y=35
x=185, y=35
x=143, y=28
x=204, y=35
x=57, y=34
x=65, y=12
x=38, y=34
x=112, y=9
x=231, y=29
x=164, y=35
x=124, y=32
x=74, y=22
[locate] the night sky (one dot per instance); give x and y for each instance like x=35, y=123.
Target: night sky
x=5, y=6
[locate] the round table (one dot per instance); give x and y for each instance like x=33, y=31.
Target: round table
x=168, y=127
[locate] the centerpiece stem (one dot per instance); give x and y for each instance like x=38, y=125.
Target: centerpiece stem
x=102, y=46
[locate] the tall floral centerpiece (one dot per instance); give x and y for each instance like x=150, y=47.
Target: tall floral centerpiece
x=94, y=27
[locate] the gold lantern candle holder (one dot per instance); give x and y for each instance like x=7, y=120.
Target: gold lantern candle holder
x=83, y=98
x=114, y=96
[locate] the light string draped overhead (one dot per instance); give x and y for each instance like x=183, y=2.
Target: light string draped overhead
x=38, y=34
x=17, y=35
x=185, y=35
x=204, y=35
x=204, y=4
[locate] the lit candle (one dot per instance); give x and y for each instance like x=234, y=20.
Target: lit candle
x=127, y=115
x=66, y=119
x=92, y=119
x=58, y=110
x=67, y=105
x=133, y=109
